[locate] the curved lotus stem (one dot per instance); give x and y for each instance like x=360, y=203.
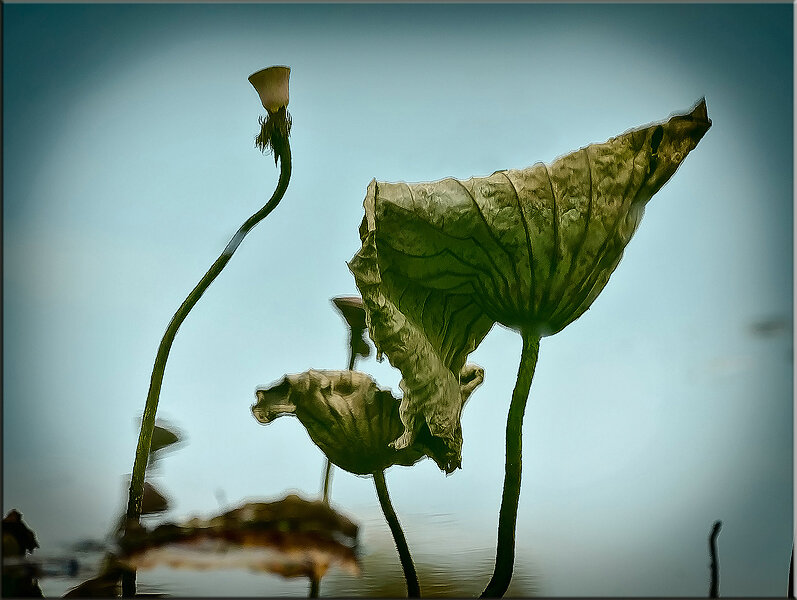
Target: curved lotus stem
x=413, y=587
x=282, y=152
x=145, y=438
x=507, y=518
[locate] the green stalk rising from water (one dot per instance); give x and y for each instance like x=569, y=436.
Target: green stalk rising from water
x=279, y=129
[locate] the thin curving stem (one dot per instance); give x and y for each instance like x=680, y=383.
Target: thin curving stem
x=413, y=588
x=714, y=587
x=148, y=422
x=507, y=518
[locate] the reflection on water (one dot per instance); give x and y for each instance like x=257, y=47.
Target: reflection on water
x=271, y=549
x=462, y=571
x=83, y=564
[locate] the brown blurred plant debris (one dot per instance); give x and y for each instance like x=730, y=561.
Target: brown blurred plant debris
x=18, y=538
x=292, y=537
x=19, y=577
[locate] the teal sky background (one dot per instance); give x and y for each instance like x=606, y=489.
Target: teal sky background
x=128, y=163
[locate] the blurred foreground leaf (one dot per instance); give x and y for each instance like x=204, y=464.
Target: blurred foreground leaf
x=19, y=540
x=291, y=537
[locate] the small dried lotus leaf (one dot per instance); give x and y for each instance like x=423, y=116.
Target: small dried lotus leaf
x=441, y=262
x=352, y=310
x=350, y=418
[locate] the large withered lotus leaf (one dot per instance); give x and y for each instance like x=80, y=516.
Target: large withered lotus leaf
x=531, y=249
x=352, y=420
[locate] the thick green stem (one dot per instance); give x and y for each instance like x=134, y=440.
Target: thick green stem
x=148, y=422
x=505, y=550
x=413, y=588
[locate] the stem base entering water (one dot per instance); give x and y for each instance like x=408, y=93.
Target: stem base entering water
x=413, y=588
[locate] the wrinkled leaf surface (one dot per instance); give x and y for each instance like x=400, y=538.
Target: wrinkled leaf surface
x=441, y=262
x=351, y=419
